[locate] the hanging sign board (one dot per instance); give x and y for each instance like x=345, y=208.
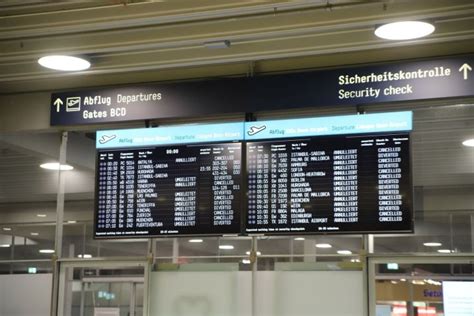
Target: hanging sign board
x=404, y=81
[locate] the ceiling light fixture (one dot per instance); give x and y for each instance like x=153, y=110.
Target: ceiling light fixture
x=299, y=238
x=468, y=142
x=432, y=244
x=344, y=252
x=195, y=241
x=7, y=229
x=71, y=222
x=85, y=256
x=245, y=261
x=323, y=246
x=226, y=247
x=258, y=253
x=46, y=251
x=41, y=215
x=404, y=30
x=56, y=166
x=34, y=234
x=64, y=63
x=445, y=251
x=4, y=245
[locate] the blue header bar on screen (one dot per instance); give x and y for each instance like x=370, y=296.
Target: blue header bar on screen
x=334, y=125
x=306, y=127
x=183, y=134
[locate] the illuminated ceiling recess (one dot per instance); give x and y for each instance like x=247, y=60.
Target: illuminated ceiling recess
x=404, y=30
x=64, y=63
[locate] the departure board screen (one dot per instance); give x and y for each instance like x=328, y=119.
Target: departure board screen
x=175, y=189
x=330, y=184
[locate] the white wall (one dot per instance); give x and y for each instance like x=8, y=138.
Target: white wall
x=25, y=294
x=279, y=293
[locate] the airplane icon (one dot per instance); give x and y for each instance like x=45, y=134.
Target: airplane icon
x=104, y=139
x=255, y=129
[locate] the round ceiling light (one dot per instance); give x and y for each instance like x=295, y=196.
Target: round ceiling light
x=404, y=30
x=64, y=63
x=56, y=166
x=468, y=142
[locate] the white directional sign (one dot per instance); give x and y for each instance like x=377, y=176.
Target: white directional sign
x=465, y=68
x=58, y=104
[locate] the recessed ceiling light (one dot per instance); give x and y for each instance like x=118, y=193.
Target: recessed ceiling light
x=34, y=234
x=56, y=166
x=4, y=245
x=7, y=229
x=344, y=252
x=468, y=142
x=85, y=256
x=226, y=247
x=46, y=251
x=299, y=238
x=41, y=215
x=195, y=241
x=258, y=253
x=432, y=244
x=64, y=63
x=444, y=251
x=404, y=30
x=323, y=246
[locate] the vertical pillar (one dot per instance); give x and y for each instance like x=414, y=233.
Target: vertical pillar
x=58, y=242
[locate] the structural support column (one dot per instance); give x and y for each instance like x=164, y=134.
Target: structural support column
x=58, y=244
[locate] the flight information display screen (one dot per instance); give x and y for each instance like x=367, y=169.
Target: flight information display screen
x=329, y=184
x=192, y=189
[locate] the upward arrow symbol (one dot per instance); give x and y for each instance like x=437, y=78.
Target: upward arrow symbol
x=465, y=68
x=58, y=104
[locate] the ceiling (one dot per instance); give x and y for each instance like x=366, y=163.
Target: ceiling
x=144, y=41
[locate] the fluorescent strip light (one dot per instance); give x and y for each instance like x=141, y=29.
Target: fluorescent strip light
x=64, y=63
x=323, y=246
x=432, y=244
x=258, y=253
x=196, y=241
x=468, y=142
x=226, y=247
x=5, y=246
x=56, y=166
x=46, y=251
x=404, y=30
x=245, y=261
x=299, y=238
x=85, y=256
x=34, y=234
x=41, y=215
x=344, y=252
x=7, y=229
x=445, y=251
